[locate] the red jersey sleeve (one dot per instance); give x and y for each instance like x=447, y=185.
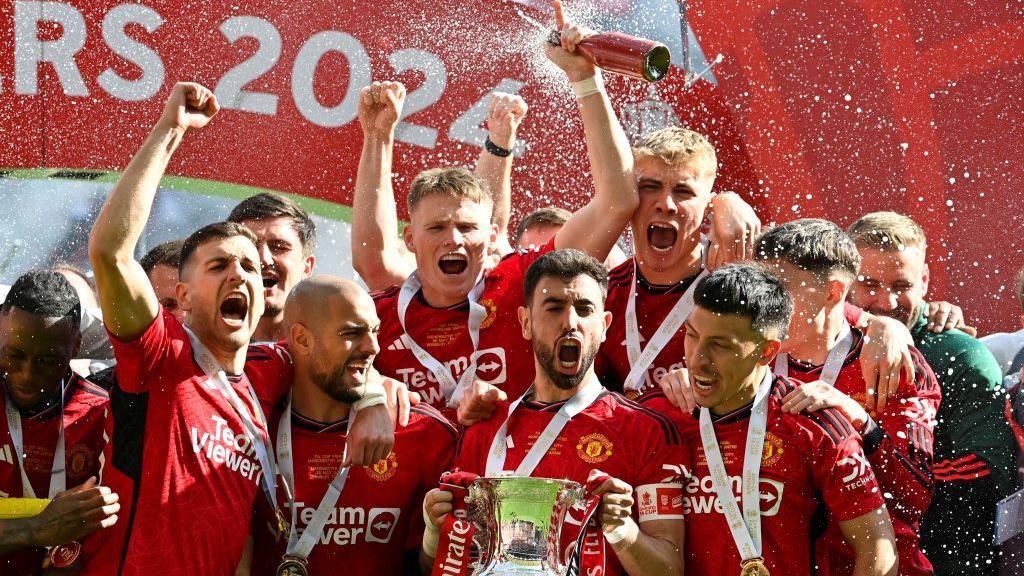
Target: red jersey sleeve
x=163, y=342
x=436, y=447
x=661, y=457
x=841, y=470
x=514, y=265
x=900, y=446
x=270, y=370
x=475, y=441
x=662, y=468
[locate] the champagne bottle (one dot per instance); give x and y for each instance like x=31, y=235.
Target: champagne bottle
x=624, y=54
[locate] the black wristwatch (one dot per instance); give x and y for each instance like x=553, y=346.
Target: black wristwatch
x=498, y=151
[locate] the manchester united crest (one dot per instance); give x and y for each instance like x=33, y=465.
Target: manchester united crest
x=79, y=458
x=594, y=448
x=772, y=450
x=491, y=309
x=384, y=469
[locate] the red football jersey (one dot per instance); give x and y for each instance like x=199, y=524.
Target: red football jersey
x=614, y=435
x=653, y=304
x=807, y=459
x=379, y=515
x=179, y=458
x=84, y=412
x=900, y=452
x=504, y=358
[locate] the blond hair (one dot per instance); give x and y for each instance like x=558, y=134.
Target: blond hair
x=454, y=182
x=887, y=232
x=676, y=146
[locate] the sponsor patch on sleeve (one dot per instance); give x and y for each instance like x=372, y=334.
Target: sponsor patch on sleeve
x=660, y=501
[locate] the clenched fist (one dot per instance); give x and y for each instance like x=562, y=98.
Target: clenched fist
x=380, y=107
x=190, y=105
x=504, y=114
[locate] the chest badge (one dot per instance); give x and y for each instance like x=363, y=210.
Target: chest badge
x=594, y=448
x=384, y=469
x=772, y=450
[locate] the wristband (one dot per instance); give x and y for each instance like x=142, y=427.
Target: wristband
x=431, y=537
x=496, y=150
x=373, y=394
x=872, y=436
x=628, y=529
x=431, y=534
x=589, y=86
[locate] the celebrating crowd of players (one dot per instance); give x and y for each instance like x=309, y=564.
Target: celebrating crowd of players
x=739, y=401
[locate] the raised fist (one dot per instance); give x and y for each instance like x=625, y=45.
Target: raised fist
x=576, y=66
x=380, y=107
x=190, y=105
x=504, y=114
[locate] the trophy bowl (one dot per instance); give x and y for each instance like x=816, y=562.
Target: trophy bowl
x=519, y=524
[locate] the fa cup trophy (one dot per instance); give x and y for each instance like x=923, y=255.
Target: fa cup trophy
x=519, y=524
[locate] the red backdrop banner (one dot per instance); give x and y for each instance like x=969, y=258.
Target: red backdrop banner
x=817, y=110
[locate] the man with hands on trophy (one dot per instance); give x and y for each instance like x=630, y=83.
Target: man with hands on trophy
x=568, y=426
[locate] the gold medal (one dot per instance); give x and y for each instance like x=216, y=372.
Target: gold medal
x=292, y=566
x=638, y=392
x=753, y=567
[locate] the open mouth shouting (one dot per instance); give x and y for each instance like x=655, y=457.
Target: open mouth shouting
x=453, y=263
x=357, y=369
x=703, y=386
x=234, y=309
x=568, y=353
x=661, y=236
x=270, y=279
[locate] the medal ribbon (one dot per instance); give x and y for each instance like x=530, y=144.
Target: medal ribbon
x=58, y=470
x=591, y=504
x=583, y=398
x=641, y=361
x=745, y=527
x=258, y=437
x=302, y=547
x=451, y=389
x=833, y=363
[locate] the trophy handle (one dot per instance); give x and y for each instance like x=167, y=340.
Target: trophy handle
x=570, y=497
x=479, y=514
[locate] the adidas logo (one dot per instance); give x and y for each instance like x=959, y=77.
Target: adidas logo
x=400, y=343
x=6, y=455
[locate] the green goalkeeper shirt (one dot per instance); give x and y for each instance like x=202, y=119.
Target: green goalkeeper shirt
x=971, y=417
x=975, y=464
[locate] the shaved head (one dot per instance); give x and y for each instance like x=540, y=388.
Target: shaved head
x=316, y=300
x=332, y=331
